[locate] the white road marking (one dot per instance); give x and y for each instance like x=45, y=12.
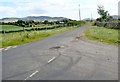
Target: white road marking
x=14, y=46
x=8, y=48
x=26, y=79
x=31, y=75
x=1, y=48
x=38, y=71
x=51, y=59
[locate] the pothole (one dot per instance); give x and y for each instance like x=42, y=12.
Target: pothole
x=77, y=38
x=55, y=47
x=58, y=47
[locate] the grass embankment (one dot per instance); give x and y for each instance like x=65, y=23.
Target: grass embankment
x=11, y=39
x=102, y=34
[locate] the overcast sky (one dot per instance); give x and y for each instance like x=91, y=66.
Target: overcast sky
x=56, y=8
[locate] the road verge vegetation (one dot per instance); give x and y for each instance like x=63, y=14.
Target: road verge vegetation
x=16, y=38
x=103, y=34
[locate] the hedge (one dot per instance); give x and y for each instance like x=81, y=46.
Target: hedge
x=112, y=25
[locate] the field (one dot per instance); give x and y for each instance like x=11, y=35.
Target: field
x=10, y=27
x=16, y=38
x=102, y=34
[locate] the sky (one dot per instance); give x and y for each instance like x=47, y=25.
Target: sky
x=56, y=8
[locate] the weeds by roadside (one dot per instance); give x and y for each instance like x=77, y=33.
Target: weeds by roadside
x=11, y=39
x=102, y=34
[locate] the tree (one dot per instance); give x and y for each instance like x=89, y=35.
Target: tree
x=104, y=15
x=57, y=22
x=20, y=23
x=46, y=22
x=65, y=21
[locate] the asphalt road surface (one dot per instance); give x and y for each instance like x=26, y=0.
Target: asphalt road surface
x=65, y=56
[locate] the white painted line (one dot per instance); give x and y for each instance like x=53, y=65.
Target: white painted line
x=1, y=49
x=31, y=75
x=14, y=47
x=51, y=59
x=26, y=79
x=8, y=48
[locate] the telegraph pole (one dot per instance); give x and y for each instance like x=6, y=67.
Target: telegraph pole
x=91, y=16
x=79, y=13
x=119, y=10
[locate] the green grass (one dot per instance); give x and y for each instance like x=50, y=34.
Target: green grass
x=11, y=39
x=14, y=28
x=102, y=34
x=10, y=27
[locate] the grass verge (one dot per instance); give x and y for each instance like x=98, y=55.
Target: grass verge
x=102, y=34
x=11, y=39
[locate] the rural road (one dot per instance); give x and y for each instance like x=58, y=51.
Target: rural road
x=65, y=56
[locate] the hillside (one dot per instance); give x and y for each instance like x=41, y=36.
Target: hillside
x=35, y=18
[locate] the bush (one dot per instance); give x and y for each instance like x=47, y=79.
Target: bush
x=112, y=25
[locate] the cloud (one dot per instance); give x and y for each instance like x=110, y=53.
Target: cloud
x=37, y=11
x=23, y=9
x=7, y=11
x=65, y=8
x=110, y=5
x=31, y=8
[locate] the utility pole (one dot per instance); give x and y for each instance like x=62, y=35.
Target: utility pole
x=119, y=10
x=79, y=13
x=91, y=16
